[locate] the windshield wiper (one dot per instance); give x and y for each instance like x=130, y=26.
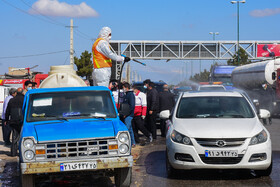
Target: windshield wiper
x=233, y=116
x=237, y=116
x=212, y=116
x=61, y=118
x=92, y=116
x=56, y=117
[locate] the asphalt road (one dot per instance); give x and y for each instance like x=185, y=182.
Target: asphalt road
x=149, y=170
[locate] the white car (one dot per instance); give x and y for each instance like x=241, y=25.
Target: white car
x=211, y=87
x=217, y=130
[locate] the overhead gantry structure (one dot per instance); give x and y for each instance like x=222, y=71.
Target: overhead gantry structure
x=185, y=50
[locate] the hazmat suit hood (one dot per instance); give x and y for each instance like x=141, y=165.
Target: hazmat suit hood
x=104, y=33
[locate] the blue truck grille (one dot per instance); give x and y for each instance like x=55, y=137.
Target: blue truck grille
x=74, y=150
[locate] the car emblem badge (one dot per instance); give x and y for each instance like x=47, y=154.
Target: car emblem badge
x=220, y=143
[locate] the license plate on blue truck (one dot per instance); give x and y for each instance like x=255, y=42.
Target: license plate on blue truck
x=73, y=166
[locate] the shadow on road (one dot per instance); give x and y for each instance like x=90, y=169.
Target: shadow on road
x=155, y=166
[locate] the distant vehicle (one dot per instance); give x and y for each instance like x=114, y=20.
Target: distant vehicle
x=158, y=86
x=222, y=74
x=261, y=81
x=211, y=130
x=211, y=88
x=182, y=89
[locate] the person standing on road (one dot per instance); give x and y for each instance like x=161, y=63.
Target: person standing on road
x=14, y=116
x=140, y=112
x=102, y=58
x=6, y=130
x=166, y=102
x=152, y=107
x=129, y=99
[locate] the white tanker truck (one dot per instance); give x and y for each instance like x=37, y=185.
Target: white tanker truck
x=62, y=76
x=261, y=80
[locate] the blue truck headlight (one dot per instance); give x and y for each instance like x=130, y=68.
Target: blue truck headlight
x=259, y=138
x=123, y=148
x=28, y=143
x=123, y=137
x=29, y=155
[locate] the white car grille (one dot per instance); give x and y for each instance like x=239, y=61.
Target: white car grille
x=220, y=142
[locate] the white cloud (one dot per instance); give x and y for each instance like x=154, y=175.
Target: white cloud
x=62, y=9
x=265, y=12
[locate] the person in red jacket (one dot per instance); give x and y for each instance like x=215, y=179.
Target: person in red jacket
x=140, y=111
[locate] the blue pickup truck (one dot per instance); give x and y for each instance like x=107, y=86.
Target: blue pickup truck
x=71, y=130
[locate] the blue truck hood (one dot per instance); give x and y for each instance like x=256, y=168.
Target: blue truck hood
x=74, y=129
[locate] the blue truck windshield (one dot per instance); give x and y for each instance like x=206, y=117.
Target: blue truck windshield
x=69, y=105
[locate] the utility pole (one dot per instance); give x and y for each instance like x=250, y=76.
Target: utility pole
x=237, y=2
x=128, y=73
x=71, y=43
x=139, y=77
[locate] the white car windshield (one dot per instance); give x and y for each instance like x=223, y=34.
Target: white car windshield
x=214, y=107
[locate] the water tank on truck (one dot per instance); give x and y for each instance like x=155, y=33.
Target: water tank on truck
x=261, y=82
x=62, y=76
x=254, y=75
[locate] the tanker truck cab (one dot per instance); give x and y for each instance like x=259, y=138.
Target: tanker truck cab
x=73, y=129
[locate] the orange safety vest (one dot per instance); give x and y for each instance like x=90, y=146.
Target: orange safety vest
x=99, y=60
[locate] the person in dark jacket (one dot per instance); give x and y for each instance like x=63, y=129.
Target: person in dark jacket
x=14, y=118
x=14, y=111
x=152, y=108
x=129, y=99
x=166, y=102
x=6, y=130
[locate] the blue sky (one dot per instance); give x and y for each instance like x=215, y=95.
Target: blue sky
x=25, y=32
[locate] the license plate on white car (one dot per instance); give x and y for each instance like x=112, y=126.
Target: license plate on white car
x=215, y=153
x=73, y=166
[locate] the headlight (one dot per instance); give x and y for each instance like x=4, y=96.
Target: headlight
x=28, y=143
x=259, y=138
x=29, y=155
x=179, y=138
x=123, y=148
x=123, y=137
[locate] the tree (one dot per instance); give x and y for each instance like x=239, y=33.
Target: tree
x=243, y=58
x=84, y=65
x=201, y=77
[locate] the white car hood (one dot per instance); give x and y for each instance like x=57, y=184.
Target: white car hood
x=218, y=127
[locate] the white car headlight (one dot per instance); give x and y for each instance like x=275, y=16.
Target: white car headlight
x=28, y=143
x=29, y=155
x=180, y=138
x=123, y=137
x=259, y=138
x=123, y=148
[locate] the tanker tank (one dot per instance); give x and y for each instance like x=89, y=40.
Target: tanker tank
x=62, y=76
x=254, y=75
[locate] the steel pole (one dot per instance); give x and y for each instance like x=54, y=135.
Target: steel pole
x=238, y=60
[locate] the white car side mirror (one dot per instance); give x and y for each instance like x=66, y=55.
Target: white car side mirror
x=164, y=114
x=264, y=114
